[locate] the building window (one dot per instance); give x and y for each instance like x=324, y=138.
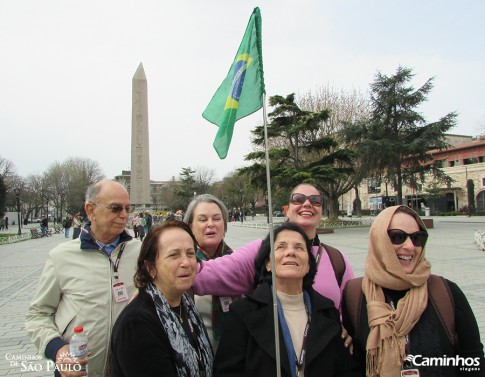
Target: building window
x=373, y=186
x=483, y=181
x=471, y=160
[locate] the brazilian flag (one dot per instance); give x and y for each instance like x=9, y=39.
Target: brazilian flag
x=241, y=93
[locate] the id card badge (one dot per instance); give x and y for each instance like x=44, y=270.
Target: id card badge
x=120, y=293
x=225, y=302
x=409, y=373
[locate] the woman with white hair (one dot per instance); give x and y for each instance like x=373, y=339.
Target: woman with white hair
x=207, y=217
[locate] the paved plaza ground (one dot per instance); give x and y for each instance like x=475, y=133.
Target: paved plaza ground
x=450, y=249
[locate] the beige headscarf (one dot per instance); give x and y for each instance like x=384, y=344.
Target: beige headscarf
x=388, y=328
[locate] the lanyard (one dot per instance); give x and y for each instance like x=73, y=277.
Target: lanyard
x=299, y=363
x=319, y=254
x=118, y=258
x=116, y=263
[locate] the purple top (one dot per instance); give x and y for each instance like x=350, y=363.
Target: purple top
x=233, y=274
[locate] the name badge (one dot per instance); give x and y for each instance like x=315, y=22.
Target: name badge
x=409, y=373
x=120, y=293
x=225, y=302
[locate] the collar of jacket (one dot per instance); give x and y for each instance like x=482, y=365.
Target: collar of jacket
x=89, y=243
x=264, y=295
x=325, y=325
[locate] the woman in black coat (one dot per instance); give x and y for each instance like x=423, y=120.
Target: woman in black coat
x=160, y=333
x=309, y=324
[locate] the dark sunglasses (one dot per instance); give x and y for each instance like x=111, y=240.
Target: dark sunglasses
x=116, y=208
x=398, y=237
x=315, y=200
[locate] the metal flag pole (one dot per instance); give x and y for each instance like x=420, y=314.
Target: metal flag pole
x=271, y=242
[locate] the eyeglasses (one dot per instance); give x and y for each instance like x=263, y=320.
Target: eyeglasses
x=315, y=200
x=398, y=237
x=116, y=208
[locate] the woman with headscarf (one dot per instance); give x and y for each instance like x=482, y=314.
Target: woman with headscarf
x=397, y=321
x=309, y=324
x=160, y=333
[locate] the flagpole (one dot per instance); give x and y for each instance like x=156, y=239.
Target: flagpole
x=271, y=242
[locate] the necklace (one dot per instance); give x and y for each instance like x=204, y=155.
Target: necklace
x=179, y=314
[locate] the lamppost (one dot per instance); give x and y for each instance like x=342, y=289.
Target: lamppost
x=17, y=196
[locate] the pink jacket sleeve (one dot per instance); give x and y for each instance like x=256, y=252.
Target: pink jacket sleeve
x=230, y=275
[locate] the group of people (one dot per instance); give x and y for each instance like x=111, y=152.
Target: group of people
x=141, y=223
x=166, y=329
x=76, y=223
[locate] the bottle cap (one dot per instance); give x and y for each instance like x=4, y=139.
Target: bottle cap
x=78, y=329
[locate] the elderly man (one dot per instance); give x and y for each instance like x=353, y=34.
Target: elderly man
x=86, y=282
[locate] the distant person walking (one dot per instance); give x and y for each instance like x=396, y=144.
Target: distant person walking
x=44, y=225
x=148, y=222
x=67, y=226
x=134, y=220
x=140, y=226
x=6, y=222
x=77, y=223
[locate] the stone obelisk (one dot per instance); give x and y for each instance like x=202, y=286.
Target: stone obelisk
x=140, y=156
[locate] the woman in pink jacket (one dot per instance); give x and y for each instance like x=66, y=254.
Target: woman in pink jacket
x=234, y=274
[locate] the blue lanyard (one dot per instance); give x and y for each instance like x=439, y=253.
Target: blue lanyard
x=296, y=364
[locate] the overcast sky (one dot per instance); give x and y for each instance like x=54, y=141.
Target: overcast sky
x=67, y=67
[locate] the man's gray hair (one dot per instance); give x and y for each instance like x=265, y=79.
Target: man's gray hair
x=92, y=192
x=206, y=198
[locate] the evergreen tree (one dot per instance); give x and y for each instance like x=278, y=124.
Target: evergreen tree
x=185, y=191
x=470, y=189
x=299, y=152
x=396, y=141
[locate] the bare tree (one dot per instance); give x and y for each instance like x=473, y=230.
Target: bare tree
x=80, y=172
x=204, y=178
x=57, y=178
x=345, y=107
x=7, y=168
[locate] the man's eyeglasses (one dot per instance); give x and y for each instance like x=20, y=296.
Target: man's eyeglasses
x=398, y=237
x=315, y=200
x=116, y=208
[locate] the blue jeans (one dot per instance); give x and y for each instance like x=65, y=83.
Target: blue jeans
x=66, y=232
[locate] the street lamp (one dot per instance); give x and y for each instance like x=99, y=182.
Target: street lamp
x=17, y=196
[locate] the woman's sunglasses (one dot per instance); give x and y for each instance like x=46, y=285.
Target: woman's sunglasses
x=398, y=237
x=315, y=200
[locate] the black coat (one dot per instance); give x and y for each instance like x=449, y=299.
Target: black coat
x=428, y=337
x=247, y=346
x=139, y=344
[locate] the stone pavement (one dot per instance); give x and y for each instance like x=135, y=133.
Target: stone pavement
x=450, y=249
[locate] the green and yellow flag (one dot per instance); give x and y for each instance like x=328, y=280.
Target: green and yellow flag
x=241, y=93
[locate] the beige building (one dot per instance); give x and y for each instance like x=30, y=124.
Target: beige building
x=464, y=161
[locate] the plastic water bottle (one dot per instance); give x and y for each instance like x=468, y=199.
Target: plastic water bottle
x=78, y=347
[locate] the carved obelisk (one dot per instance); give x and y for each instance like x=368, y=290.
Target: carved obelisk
x=140, y=156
